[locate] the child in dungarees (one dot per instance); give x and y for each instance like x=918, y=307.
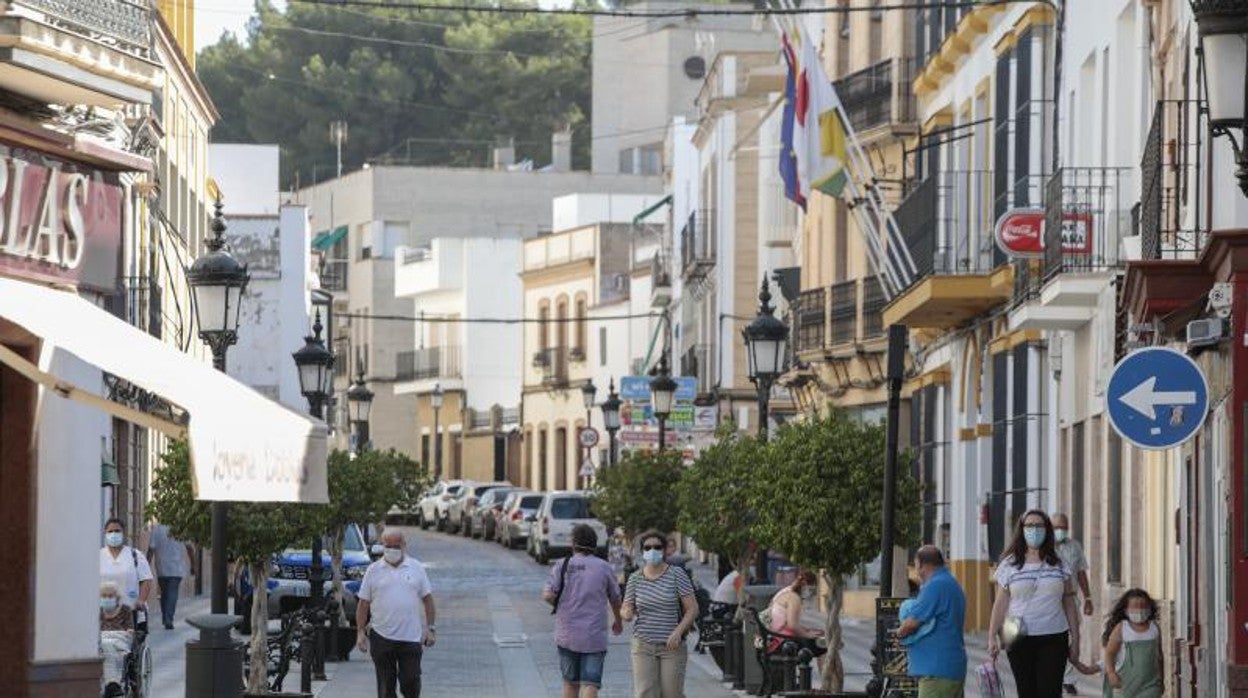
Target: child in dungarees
x=1133, y=659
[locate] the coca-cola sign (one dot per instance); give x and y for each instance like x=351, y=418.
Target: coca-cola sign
x=59, y=221
x=1020, y=232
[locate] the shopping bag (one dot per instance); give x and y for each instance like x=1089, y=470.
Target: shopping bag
x=989, y=681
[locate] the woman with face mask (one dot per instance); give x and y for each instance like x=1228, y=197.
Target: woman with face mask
x=1034, y=614
x=786, y=613
x=660, y=599
x=127, y=568
x=1134, y=664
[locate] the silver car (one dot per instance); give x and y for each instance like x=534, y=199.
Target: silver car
x=518, y=513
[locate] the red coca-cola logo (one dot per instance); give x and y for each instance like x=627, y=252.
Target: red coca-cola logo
x=1020, y=232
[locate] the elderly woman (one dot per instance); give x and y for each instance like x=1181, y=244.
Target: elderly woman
x=116, y=636
x=113, y=614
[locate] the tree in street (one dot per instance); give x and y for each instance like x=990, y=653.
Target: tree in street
x=257, y=531
x=713, y=494
x=639, y=493
x=822, y=507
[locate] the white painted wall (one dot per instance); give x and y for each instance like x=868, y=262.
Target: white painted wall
x=247, y=176
x=68, y=532
x=576, y=210
x=492, y=353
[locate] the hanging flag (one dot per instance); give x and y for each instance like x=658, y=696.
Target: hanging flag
x=788, y=158
x=819, y=135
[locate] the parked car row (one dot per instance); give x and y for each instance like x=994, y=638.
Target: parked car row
x=511, y=516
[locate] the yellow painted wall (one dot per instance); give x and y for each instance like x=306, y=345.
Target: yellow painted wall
x=180, y=15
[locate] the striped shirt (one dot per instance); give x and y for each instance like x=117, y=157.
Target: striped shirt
x=657, y=602
x=1036, y=592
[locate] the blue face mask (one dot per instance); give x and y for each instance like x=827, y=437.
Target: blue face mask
x=652, y=557
x=108, y=603
x=1034, y=536
x=114, y=539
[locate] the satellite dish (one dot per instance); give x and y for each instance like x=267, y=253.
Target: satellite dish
x=695, y=67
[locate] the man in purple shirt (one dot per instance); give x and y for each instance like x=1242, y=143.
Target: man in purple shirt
x=580, y=587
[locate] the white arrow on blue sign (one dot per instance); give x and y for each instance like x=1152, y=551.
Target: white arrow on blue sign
x=1157, y=398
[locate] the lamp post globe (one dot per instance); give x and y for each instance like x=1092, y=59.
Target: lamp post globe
x=611, y=418
x=315, y=364
x=662, y=398
x=217, y=282
x=359, y=407
x=1223, y=29
x=588, y=392
x=766, y=341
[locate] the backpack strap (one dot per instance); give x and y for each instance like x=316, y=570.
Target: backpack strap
x=563, y=582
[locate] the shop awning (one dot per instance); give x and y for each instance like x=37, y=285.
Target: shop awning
x=328, y=238
x=244, y=446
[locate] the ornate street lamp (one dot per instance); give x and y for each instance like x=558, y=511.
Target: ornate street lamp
x=315, y=365
x=1223, y=29
x=611, y=418
x=435, y=399
x=217, y=281
x=359, y=405
x=766, y=339
x=588, y=391
x=662, y=397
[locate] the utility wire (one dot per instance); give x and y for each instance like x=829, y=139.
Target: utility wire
x=494, y=321
x=686, y=13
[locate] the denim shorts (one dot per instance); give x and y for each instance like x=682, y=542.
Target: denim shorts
x=584, y=668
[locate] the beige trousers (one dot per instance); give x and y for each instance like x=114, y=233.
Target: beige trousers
x=657, y=671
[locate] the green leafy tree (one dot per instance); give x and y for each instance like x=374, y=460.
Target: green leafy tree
x=256, y=531
x=714, y=493
x=639, y=493
x=437, y=89
x=822, y=507
x=362, y=488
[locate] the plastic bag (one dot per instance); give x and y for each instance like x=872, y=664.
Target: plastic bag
x=989, y=681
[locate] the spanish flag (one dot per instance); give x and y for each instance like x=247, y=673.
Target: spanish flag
x=819, y=135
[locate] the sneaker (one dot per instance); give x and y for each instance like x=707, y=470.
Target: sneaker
x=1070, y=689
x=168, y=626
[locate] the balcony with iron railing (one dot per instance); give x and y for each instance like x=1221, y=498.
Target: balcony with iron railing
x=811, y=320
x=845, y=314
x=94, y=52
x=697, y=245
x=433, y=363
x=878, y=95
x=660, y=282
x=947, y=221
x=552, y=366
x=1169, y=173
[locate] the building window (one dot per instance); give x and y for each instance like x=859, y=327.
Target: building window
x=582, y=325
x=998, y=526
x=543, y=450
x=1076, y=481
x=561, y=324
x=543, y=326
x=561, y=458
x=602, y=346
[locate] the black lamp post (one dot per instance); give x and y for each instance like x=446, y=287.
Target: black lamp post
x=765, y=341
x=435, y=399
x=662, y=395
x=360, y=404
x=217, y=281
x=611, y=419
x=315, y=364
x=1223, y=29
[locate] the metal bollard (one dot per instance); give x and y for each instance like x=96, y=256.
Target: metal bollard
x=738, y=656
x=214, y=662
x=804, y=670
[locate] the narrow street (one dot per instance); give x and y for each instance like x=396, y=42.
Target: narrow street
x=494, y=633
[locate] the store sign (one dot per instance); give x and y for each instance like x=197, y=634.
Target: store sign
x=59, y=222
x=1020, y=232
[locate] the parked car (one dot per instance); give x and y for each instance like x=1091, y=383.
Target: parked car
x=462, y=508
x=433, y=506
x=553, y=522
x=516, y=522
x=291, y=570
x=484, y=518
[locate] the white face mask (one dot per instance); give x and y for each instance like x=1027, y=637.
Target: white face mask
x=807, y=594
x=393, y=555
x=114, y=539
x=109, y=603
x=1137, y=617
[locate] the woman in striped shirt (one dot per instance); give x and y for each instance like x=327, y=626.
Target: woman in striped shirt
x=659, y=597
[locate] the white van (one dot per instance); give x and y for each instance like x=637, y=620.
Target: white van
x=552, y=524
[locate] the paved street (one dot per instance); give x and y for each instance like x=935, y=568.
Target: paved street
x=494, y=639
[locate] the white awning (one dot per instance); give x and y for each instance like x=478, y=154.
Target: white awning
x=244, y=446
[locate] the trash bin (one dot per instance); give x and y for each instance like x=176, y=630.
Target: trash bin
x=758, y=598
x=214, y=662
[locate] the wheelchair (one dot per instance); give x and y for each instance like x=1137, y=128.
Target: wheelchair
x=127, y=661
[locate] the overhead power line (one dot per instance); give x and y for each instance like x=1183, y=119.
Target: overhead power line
x=444, y=319
x=686, y=12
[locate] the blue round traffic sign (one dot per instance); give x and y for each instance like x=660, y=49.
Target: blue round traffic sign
x=1157, y=398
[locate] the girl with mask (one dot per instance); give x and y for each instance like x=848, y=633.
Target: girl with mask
x=1134, y=665
x=1034, y=613
x=660, y=599
x=786, y=614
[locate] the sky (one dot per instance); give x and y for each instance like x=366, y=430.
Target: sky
x=215, y=17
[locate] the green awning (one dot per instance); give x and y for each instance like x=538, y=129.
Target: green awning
x=327, y=239
x=109, y=474
x=637, y=219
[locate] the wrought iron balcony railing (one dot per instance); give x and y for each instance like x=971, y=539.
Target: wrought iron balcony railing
x=697, y=245
x=555, y=367
x=1170, y=169
x=812, y=319
x=843, y=312
x=125, y=24
x=1087, y=213
x=427, y=364
x=878, y=95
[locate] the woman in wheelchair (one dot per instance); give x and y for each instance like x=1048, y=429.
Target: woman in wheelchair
x=113, y=614
x=786, y=616
x=126, y=660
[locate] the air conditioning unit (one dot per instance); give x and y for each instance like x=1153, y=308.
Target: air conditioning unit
x=1205, y=333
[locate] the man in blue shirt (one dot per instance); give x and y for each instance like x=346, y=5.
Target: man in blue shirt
x=938, y=657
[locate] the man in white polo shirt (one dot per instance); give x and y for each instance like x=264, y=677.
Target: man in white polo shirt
x=397, y=594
